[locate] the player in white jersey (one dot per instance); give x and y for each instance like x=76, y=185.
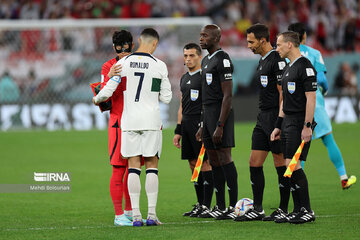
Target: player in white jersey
x=144, y=80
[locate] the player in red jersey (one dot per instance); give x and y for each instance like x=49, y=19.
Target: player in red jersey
x=122, y=44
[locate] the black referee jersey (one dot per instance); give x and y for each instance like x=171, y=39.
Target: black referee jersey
x=268, y=74
x=190, y=86
x=216, y=68
x=298, y=77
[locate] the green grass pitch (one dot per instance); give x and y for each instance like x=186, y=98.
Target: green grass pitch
x=87, y=212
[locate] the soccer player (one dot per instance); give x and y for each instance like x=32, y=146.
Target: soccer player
x=144, y=79
x=297, y=112
x=268, y=75
x=217, y=129
x=122, y=44
x=323, y=128
x=188, y=123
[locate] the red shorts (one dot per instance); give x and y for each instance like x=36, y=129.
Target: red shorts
x=115, y=143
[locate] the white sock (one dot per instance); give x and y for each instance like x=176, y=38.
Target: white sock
x=344, y=177
x=134, y=186
x=152, y=189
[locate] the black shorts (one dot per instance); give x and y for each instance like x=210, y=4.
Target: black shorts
x=291, y=129
x=211, y=117
x=190, y=148
x=261, y=134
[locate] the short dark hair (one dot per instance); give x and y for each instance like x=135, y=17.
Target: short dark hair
x=150, y=32
x=193, y=46
x=298, y=27
x=260, y=31
x=291, y=36
x=121, y=37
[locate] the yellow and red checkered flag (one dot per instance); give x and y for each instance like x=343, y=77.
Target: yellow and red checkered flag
x=294, y=160
x=198, y=164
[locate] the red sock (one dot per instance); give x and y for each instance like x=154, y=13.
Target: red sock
x=116, y=188
x=126, y=192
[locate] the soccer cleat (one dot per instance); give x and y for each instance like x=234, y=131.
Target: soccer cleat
x=229, y=213
x=275, y=214
x=152, y=221
x=216, y=212
x=205, y=212
x=284, y=218
x=197, y=211
x=122, y=220
x=303, y=217
x=195, y=207
x=129, y=216
x=347, y=183
x=137, y=221
x=250, y=215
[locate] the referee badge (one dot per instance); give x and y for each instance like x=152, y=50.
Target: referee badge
x=194, y=94
x=209, y=78
x=264, y=80
x=291, y=87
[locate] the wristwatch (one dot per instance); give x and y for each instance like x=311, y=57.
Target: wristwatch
x=219, y=124
x=307, y=124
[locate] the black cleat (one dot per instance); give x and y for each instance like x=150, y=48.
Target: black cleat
x=274, y=215
x=303, y=216
x=205, y=212
x=284, y=218
x=195, y=207
x=197, y=211
x=229, y=213
x=250, y=215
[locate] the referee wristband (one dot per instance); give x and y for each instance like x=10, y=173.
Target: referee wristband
x=178, y=129
x=278, y=122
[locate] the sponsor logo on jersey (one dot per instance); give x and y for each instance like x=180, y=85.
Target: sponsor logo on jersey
x=314, y=85
x=194, y=94
x=291, y=87
x=228, y=76
x=264, y=80
x=209, y=78
x=205, y=66
x=281, y=64
x=188, y=82
x=287, y=75
x=310, y=72
x=226, y=63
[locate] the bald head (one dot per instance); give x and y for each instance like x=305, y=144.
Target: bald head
x=210, y=37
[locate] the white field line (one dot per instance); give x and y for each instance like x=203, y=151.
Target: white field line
x=168, y=223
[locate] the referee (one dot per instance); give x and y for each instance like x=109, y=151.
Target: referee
x=217, y=131
x=268, y=75
x=188, y=123
x=297, y=111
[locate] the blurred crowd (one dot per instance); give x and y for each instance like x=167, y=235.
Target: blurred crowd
x=332, y=24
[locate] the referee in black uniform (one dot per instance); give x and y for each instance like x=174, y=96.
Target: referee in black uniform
x=297, y=110
x=268, y=75
x=188, y=123
x=217, y=131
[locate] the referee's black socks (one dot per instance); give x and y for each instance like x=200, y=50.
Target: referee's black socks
x=231, y=179
x=284, y=187
x=208, y=187
x=199, y=188
x=257, y=184
x=299, y=180
x=219, y=185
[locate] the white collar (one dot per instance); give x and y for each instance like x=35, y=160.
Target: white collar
x=210, y=56
x=193, y=73
x=268, y=53
x=294, y=61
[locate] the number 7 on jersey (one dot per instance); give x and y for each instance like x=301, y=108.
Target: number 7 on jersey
x=141, y=75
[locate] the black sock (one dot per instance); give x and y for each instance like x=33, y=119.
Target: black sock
x=208, y=188
x=199, y=189
x=284, y=187
x=302, y=186
x=295, y=195
x=231, y=180
x=257, y=183
x=219, y=185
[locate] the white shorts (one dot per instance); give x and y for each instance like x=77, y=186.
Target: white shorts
x=144, y=143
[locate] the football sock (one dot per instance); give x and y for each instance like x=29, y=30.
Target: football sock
x=284, y=187
x=152, y=189
x=295, y=195
x=134, y=187
x=301, y=183
x=199, y=189
x=116, y=188
x=219, y=185
x=257, y=183
x=231, y=180
x=335, y=155
x=126, y=192
x=208, y=188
